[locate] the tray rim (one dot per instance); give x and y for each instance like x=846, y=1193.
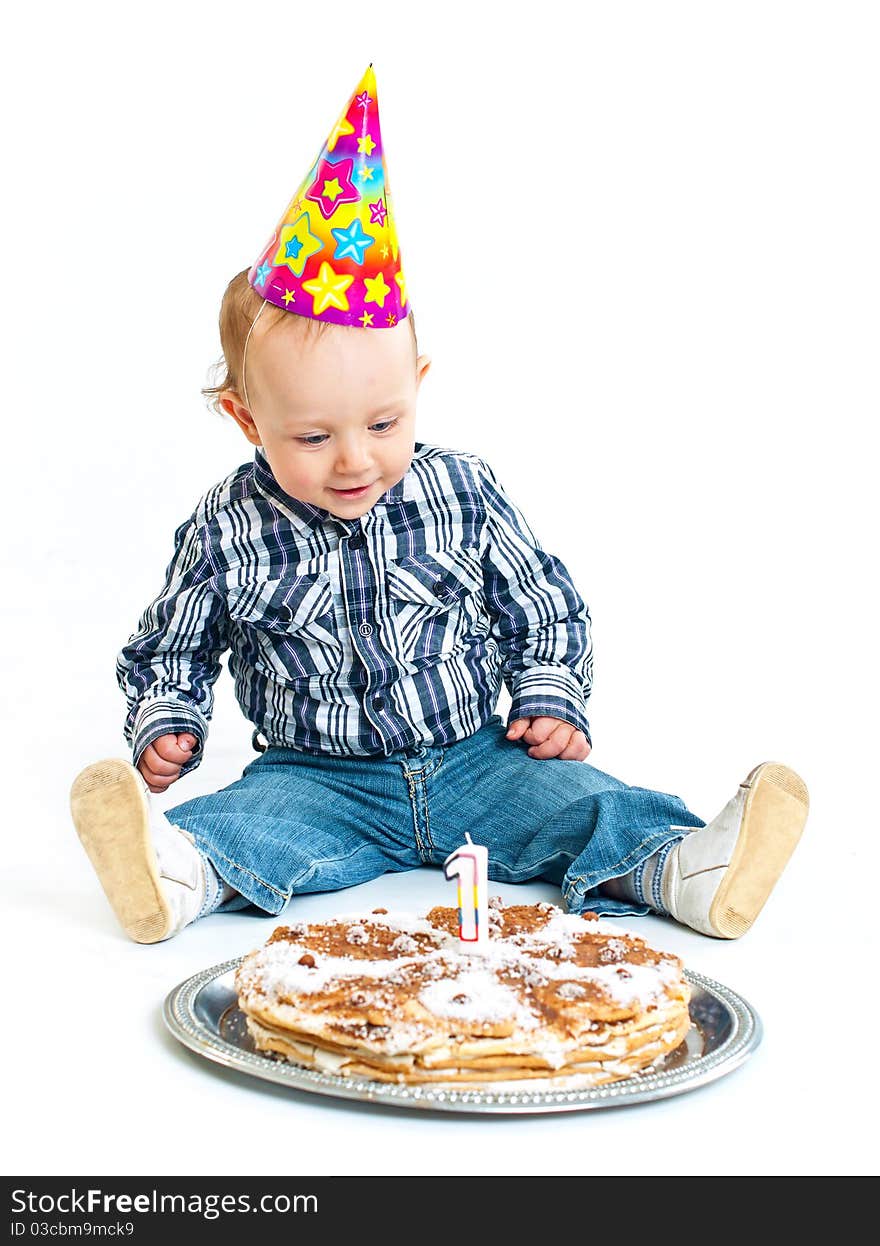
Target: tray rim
x=746, y=1034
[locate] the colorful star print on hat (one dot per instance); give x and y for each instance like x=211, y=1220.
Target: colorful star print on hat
x=334, y=253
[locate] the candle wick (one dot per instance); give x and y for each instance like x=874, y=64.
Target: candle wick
x=467, y=836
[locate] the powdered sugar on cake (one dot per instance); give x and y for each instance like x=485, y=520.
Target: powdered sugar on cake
x=467, y=985
x=475, y=994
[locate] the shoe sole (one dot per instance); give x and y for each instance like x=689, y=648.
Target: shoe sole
x=773, y=819
x=112, y=820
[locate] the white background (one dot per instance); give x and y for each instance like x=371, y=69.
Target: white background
x=642, y=252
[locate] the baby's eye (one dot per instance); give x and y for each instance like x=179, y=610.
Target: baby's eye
x=383, y=425
x=313, y=439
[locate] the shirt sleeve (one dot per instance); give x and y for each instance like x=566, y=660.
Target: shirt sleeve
x=168, y=668
x=539, y=620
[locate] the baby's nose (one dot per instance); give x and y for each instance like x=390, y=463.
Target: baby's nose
x=352, y=456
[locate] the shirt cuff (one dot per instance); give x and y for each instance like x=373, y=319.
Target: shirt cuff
x=158, y=717
x=551, y=691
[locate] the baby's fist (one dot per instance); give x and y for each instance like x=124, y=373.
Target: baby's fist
x=550, y=737
x=162, y=761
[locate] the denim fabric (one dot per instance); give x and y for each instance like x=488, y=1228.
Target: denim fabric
x=301, y=822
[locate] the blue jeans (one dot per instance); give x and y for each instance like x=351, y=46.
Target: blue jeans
x=297, y=822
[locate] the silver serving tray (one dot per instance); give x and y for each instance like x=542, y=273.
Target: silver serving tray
x=202, y=1013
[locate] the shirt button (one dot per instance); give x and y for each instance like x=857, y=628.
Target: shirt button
x=356, y=541
x=365, y=629
x=440, y=588
x=378, y=703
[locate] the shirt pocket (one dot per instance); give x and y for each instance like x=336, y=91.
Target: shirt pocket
x=287, y=625
x=437, y=603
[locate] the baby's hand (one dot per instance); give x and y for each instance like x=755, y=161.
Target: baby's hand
x=550, y=737
x=161, y=762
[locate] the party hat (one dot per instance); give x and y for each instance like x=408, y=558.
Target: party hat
x=334, y=253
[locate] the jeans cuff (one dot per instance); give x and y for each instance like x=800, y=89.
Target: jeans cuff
x=213, y=888
x=656, y=900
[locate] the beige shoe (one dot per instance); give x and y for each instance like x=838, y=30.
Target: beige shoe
x=151, y=871
x=718, y=877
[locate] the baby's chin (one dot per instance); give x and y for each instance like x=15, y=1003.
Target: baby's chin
x=356, y=505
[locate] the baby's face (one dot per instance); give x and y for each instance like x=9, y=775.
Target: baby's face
x=335, y=415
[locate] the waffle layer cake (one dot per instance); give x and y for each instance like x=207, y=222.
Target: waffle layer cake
x=398, y=997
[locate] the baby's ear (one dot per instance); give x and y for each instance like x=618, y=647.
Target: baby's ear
x=423, y=363
x=232, y=404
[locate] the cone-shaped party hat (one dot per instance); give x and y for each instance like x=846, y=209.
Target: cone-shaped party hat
x=334, y=253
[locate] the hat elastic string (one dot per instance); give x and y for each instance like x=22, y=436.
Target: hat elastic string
x=244, y=355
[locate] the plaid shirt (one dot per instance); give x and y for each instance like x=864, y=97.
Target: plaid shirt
x=359, y=637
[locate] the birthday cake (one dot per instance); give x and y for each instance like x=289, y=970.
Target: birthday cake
x=398, y=997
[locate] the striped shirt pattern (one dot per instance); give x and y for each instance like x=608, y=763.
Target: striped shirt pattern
x=360, y=637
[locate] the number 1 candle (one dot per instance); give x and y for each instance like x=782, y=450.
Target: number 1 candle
x=470, y=863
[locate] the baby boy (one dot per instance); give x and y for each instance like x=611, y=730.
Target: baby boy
x=372, y=593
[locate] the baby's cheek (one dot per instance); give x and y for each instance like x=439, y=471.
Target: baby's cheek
x=397, y=463
x=298, y=475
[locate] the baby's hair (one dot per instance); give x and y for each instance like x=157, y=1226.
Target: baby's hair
x=239, y=307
